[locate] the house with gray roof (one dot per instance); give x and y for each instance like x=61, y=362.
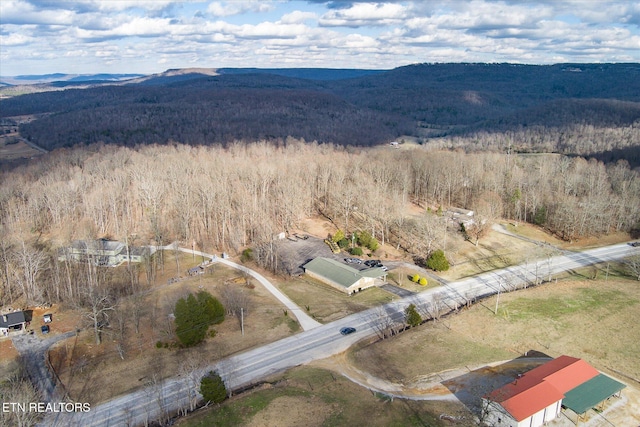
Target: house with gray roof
x=10, y=322
x=341, y=276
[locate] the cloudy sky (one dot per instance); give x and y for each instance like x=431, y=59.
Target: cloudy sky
x=122, y=36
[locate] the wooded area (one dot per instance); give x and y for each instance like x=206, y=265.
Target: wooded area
x=225, y=199
x=567, y=108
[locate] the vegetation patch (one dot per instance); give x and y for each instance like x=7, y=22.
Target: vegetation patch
x=582, y=299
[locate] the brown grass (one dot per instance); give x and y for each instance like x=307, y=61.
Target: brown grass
x=327, y=304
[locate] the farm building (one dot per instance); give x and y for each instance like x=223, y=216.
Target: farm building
x=341, y=276
x=538, y=396
x=10, y=322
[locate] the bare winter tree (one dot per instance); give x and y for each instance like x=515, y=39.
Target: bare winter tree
x=119, y=329
x=18, y=389
x=192, y=368
x=32, y=262
x=235, y=300
x=97, y=304
x=633, y=265
x=382, y=323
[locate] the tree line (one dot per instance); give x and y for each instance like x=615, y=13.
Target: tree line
x=239, y=196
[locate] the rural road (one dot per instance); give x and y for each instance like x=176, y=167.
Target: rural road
x=250, y=367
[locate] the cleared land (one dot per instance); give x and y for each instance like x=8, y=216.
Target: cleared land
x=590, y=319
x=308, y=396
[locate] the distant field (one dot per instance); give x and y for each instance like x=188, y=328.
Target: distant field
x=19, y=150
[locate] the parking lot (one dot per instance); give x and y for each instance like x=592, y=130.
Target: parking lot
x=293, y=255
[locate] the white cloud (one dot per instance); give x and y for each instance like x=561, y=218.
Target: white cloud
x=136, y=34
x=229, y=8
x=365, y=14
x=298, y=17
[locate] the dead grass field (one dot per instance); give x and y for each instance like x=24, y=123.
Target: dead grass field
x=590, y=319
x=19, y=150
x=9, y=358
x=308, y=396
x=496, y=250
x=326, y=304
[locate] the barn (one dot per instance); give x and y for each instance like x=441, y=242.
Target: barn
x=538, y=396
x=341, y=276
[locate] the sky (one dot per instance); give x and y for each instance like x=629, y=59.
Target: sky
x=122, y=36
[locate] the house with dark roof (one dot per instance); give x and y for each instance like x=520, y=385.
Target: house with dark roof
x=538, y=396
x=341, y=276
x=11, y=322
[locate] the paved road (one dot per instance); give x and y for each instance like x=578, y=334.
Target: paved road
x=254, y=365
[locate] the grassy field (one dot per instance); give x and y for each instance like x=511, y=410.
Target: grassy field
x=326, y=304
x=311, y=397
x=591, y=319
x=582, y=317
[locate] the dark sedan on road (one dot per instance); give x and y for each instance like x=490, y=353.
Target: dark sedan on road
x=347, y=330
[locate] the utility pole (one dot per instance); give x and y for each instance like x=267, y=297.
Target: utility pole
x=242, y=320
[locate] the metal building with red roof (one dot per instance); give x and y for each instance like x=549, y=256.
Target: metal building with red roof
x=536, y=397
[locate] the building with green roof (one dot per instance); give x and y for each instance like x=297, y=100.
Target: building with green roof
x=591, y=393
x=341, y=276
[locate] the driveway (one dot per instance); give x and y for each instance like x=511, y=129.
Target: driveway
x=33, y=351
x=306, y=321
x=396, y=290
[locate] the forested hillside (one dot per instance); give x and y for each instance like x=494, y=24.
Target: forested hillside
x=241, y=196
x=424, y=101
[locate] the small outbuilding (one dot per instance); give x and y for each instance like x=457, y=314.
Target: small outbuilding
x=341, y=276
